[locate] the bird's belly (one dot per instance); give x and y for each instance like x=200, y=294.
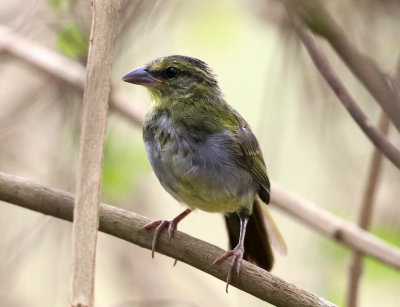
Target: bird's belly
x=201, y=177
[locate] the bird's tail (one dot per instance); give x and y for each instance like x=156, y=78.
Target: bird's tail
x=257, y=243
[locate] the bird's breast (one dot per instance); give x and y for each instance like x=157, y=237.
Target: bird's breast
x=201, y=173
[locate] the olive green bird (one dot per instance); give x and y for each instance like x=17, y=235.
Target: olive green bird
x=206, y=156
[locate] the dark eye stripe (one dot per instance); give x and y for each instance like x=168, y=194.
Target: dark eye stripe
x=160, y=74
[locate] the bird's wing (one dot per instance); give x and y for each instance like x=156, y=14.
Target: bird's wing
x=251, y=159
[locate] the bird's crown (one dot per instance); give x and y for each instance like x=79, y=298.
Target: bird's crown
x=179, y=67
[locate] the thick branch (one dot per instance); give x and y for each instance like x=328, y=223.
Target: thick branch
x=335, y=228
x=324, y=67
x=128, y=226
x=95, y=106
x=62, y=68
x=381, y=87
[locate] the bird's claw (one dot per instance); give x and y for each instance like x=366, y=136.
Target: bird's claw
x=160, y=225
x=236, y=262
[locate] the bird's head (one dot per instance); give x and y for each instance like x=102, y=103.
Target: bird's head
x=175, y=78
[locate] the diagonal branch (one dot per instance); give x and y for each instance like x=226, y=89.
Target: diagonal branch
x=335, y=228
x=380, y=86
x=62, y=68
x=324, y=67
x=128, y=226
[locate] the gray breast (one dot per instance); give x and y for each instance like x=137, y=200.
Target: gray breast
x=198, y=172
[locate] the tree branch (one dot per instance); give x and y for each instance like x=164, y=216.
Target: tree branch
x=381, y=86
x=364, y=220
x=128, y=226
x=324, y=67
x=62, y=68
x=365, y=215
x=95, y=105
x=335, y=228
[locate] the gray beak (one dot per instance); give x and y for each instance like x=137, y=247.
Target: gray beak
x=141, y=76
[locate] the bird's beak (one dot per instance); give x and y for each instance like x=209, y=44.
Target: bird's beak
x=141, y=76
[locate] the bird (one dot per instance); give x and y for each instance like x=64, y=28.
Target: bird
x=206, y=156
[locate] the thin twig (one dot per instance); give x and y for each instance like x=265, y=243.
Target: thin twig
x=364, y=220
x=129, y=226
x=95, y=106
x=324, y=67
x=380, y=85
x=64, y=69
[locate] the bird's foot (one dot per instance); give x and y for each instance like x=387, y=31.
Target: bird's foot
x=236, y=262
x=160, y=225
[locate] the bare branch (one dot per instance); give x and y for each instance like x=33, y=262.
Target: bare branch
x=95, y=106
x=364, y=220
x=335, y=228
x=62, y=68
x=128, y=226
x=381, y=87
x=326, y=70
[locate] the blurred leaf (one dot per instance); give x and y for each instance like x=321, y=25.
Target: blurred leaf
x=58, y=5
x=377, y=271
x=71, y=41
x=123, y=163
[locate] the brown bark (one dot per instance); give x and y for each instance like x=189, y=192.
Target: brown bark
x=129, y=226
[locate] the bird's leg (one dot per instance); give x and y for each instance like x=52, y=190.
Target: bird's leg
x=236, y=253
x=161, y=224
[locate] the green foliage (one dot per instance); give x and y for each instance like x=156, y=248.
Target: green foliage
x=71, y=41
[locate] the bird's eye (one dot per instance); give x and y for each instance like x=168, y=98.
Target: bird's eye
x=171, y=72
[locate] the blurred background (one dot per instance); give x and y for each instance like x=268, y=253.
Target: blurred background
x=311, y=146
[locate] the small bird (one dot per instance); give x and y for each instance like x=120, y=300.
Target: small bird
x=205, y=155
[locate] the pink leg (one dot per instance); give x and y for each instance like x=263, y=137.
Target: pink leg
x=236, y=254
x=161, y=224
